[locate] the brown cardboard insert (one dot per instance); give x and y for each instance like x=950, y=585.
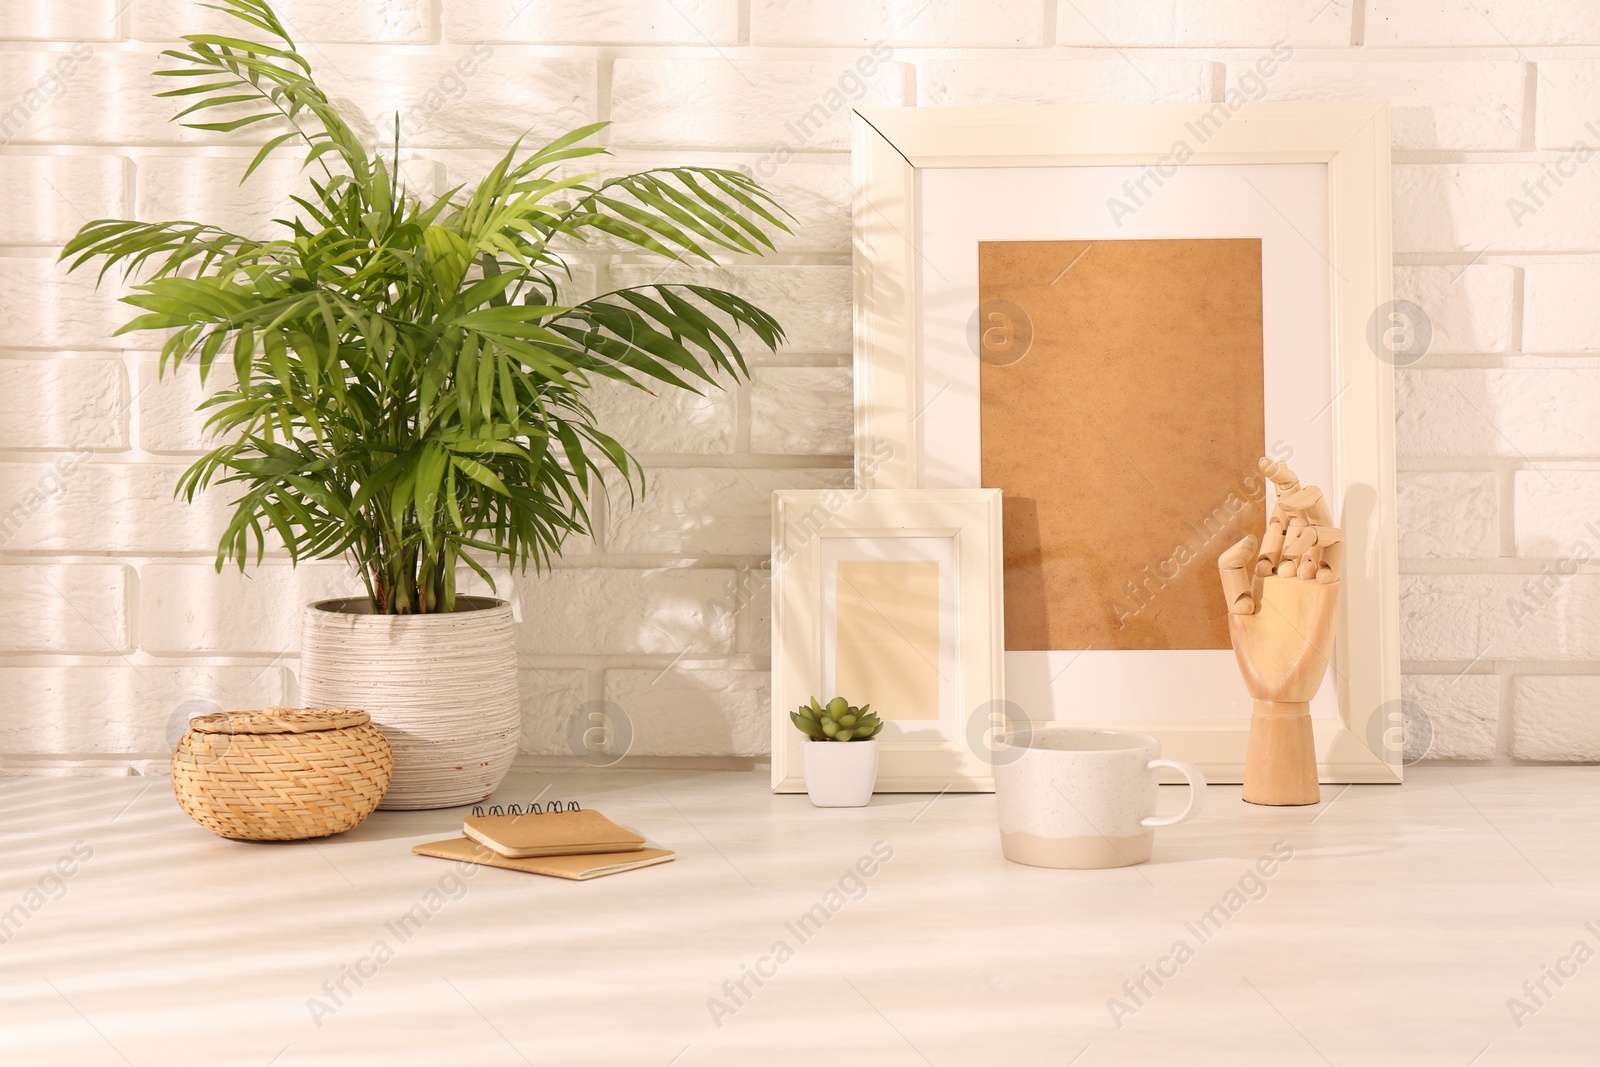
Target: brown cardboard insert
x=1123, y=413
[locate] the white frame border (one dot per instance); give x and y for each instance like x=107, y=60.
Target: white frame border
x=889, y=145
x=801, y=521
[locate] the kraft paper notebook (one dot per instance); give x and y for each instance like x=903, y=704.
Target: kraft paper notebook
x=556, y=830
x=579, y=868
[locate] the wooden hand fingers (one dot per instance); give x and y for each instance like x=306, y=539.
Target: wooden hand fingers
x=1240, y=587
x=1281, y=475
x=1271, y=545
x=1301, y=540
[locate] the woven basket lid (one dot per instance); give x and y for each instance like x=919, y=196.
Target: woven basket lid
x=279, y=721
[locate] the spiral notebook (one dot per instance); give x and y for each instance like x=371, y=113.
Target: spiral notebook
x=560, y=840
x=554, y=829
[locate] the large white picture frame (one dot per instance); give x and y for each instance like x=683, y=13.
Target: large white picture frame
x=957, y=528
x=898, y=152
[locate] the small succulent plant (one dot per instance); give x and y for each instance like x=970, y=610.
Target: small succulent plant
x=837, y=720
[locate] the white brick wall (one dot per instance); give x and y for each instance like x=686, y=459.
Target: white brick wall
x=718, y=103
x=1560, y=312
x=64, y=403
x=49, y=197
x=80, y=609
x=121, y=626
x=1470, y=308
x=1431, y=104
x=695, y=712
x=315, y=21
x=909, y=23
x=1399, y=23
x=1307, y=23
x=1010, y=82
x=706, y=511
x=1449, y=514
x=1556, y=718
x=691, y=22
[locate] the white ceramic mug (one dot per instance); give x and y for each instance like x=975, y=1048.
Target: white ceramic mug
x=1083, y=799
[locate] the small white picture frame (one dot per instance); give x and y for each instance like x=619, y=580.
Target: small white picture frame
x=1344, y=440
x=955, y=535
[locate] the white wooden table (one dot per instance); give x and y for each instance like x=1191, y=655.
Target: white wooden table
x=1404, y=922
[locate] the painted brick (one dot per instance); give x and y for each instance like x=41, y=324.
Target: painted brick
x=169, y=417
x=307, y=21
x=49, y=197
x=909, y=23
x=81, y=20
x=707, y=511
x=208, y=189
x=63, y=404
x=78, y=505
x=1560, y=313
x=1449, y=514
x=1457, y=716
x=589, y=611
x=186, y=607
x=1013, y=82
x=1557, y=512
x=481, y=98
x=41, y=92
x=1499, y=616
x=473, y=98
x=1469, y=308
x=755, y=620
x=802, y=411
x=1397, y=23
x=1557, y=718
x=1568, y=103
x=1464, y=104
x=665, y=419
x=1302, y=23
x=126, y=708
x=42, y=306
x=1477, y=206
x=551, y=699
x=91, y=96
x=740, y=103
x=1518, y=413
x=80, y=608
x=694, y=712
x=818, y=196
x=812, y=303
x=693, y=22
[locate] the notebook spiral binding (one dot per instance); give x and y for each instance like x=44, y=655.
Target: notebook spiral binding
x=535, y=808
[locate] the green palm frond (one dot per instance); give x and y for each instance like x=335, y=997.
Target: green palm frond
x=410, y=376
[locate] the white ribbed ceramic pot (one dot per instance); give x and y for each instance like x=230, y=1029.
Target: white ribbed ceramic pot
x=443, y=688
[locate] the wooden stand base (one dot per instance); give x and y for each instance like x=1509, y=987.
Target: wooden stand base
x=1280, y=762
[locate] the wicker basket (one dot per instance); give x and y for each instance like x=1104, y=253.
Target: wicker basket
x=282, y=774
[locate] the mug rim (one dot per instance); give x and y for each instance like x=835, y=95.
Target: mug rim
x=1139, y=741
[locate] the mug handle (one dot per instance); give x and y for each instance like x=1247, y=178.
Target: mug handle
x=1197, y=792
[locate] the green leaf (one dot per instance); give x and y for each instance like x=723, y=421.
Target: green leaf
x=480, y=474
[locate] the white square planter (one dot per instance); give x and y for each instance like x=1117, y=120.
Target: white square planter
x=840, y=774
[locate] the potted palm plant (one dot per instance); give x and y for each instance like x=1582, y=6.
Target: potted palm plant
x=410, y=387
